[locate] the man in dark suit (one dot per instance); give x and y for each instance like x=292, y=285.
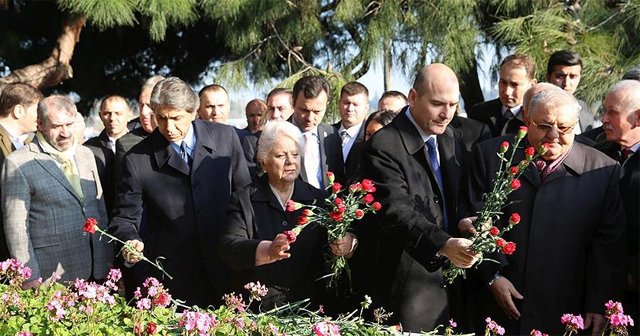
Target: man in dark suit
x=502, y=115
x=114, y=113
x=182, y=175
x=564, y=69
x=353, y=106
x=18, y=114
x=310, y=99
x=571, y=214
x=392, y=101
x=215, y=106
x=621, y=123
x=415, y=163
x=472, y=131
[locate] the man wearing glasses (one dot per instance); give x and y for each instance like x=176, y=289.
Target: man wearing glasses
x=570, y=254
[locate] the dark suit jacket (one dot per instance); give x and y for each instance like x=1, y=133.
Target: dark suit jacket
x=254, y=215
x=185, y=210
x=570, y=254
x=490, y=113
x=472, y=131
x=351, y=166
x=630, y=193
x=409, y=230
x=124, y=144
x=330, y=153
x=105, y=161
x=249, y=147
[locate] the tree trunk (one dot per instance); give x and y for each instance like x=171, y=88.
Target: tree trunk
x=387, y=65
x=57, y=67
x=470, y=86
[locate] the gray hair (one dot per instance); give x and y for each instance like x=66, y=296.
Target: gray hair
x=631, y=96
x=272, y=131
x=56, y=103
x=552, y=96
x=633, y=74
x=175, y=93
x=151, y=82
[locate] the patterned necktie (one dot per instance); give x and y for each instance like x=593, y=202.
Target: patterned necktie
x=344, y=136
x=433, y=159
x=184, y=153
x=68, y=168
x=626, y=153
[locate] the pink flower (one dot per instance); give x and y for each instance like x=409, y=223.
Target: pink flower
x=359, y=214
x=326, y=329
x=504, y=146
x=143, y=304
x=535, y=332
x=90, y=225
x=355, y=187
x=114, y=275
x=293, y=206
x=376, y=206
x=614, y=307
x=493, y=327
x=151, y=328
x=257, y=290
x=515, y=184
x=572, y=323
x=307, y=212
x=163, y=299
x=514, y=218
x=452, y=323
x=24, y=333
x=341, y=208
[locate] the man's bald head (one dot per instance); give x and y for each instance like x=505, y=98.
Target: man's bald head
x=432, y=73
x=529, y=94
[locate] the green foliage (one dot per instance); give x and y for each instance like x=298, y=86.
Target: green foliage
x=103, y=14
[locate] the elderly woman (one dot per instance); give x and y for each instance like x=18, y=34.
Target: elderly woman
x=253, y=243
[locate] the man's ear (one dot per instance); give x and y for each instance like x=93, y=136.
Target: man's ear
x=18, y=111
x=636, y=114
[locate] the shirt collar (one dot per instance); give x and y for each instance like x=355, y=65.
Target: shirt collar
x=635, y=147
x=425, y=136
x=352, y=131
x=189, y=139
x=514, y=110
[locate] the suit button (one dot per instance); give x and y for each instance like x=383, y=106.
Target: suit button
x=284, y=223
x=436, y=200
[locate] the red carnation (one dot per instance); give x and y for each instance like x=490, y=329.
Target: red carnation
x=336, y=216
x=513, y=170
x=500, y=242
x=341, y=208
x=335, y=187
x=331, y=177
x=302, y=220
x=355, y=187
x=90, y=225
x=291, y=236
x=529, y=152
x=163, y=299
x=494, y=231
x=368, y=198
x=359, y=213
x=338, y=201
x=293, y=206
x=509, y=248
x=543, y=149
x=522, y=132
x=376, y=206
x=307, y=212
x=515, y=184
x=504, y=146
x=514, y=218
x=368, y=186
x=151, y=328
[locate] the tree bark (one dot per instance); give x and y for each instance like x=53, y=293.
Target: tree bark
x=57, y=67
x=470, y=86
x=387, y=64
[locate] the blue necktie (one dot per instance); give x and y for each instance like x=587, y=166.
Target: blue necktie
x=184, y=153
x=433, y=158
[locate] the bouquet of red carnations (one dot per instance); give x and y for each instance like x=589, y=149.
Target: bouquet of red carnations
x=488, y=238
x=340, y=210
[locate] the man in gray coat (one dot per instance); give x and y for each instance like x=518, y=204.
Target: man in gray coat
x=49, y=188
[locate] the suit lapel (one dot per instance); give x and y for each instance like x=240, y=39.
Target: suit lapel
x=205, y=145
x=322, y=134
x=49, y=164
x=5, y=142
x=165, y=155
x=449, y=164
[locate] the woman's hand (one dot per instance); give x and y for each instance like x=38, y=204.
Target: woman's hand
x=270, y=251
x=344, y=247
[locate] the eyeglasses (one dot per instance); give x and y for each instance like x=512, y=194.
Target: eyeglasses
x=546, y=128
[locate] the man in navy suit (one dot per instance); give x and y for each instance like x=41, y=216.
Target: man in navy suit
x=310, y=99
x=353, y=106
x=502, y=115
x=182, y=174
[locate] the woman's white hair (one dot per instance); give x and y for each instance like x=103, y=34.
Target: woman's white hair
x=272, y=131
